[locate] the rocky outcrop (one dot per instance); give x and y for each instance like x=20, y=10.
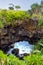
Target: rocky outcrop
x=27, y=30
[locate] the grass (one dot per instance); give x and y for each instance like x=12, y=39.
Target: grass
x=32, y=59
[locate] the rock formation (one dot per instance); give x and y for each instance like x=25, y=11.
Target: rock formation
x=27, y=30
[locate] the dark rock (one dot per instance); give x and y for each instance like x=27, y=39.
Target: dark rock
x=15, y=51
x=12, y=46
x=25, y=54
x=20, y=56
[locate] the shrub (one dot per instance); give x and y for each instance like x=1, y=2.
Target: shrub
x=35, y=15
x=1, y=24
x=38, y=47
x=11, y=16
x=40, y=21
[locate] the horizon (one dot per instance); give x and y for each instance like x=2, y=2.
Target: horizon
x=4, y=4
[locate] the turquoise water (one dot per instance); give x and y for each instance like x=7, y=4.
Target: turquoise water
x=23, y=46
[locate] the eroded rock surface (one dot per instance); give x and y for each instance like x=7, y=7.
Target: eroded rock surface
x=27, y=30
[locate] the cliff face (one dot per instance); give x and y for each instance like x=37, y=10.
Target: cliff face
x=26, y=30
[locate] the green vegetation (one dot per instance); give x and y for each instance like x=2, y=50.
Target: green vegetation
x=11, y=16
x=17, y=7
x=41, y=21
x=1, y=24
x=32, y=59
x=11, y=6
x=39, y=45
x=35, y=58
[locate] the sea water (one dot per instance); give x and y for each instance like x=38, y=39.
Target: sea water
x=23, y=46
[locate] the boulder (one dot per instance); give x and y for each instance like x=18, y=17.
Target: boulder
x=15, y=51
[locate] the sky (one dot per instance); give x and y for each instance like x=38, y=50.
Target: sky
x=24, y=4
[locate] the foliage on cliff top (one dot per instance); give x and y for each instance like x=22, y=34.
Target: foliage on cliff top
x=14, y=14
x=11, y=16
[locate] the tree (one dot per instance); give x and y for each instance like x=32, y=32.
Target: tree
x=17, y=7
x=35, y=8
x=29, y=11
x=42, y=2
x=11, y=6
x=42, y=5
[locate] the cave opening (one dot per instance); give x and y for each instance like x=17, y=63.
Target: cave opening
x=21, y=48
